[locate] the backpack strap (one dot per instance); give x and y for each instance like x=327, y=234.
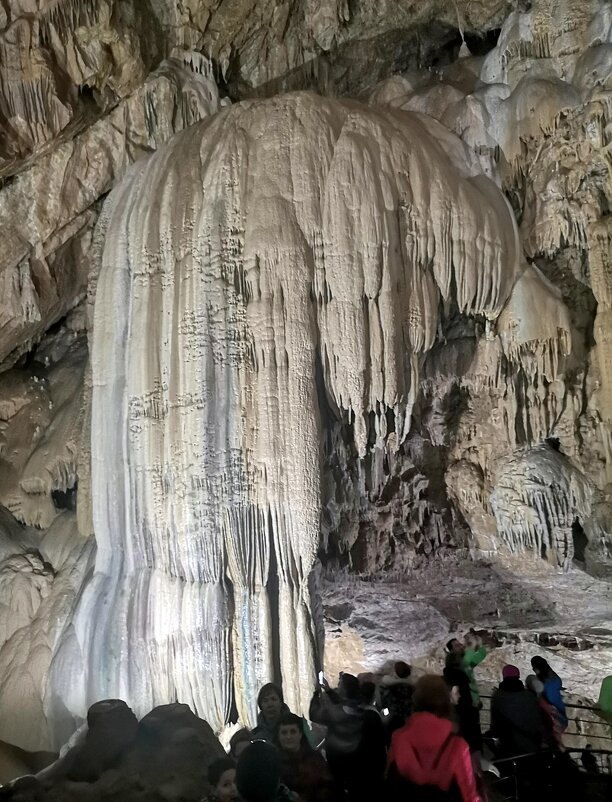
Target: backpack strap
x=439, y=754
x=442, y=750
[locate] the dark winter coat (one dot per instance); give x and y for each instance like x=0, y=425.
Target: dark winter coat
x=516, y=719
x=307, y=774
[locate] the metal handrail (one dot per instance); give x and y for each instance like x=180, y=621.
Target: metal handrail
x=567, y=704
x=549, y=752
x=516, y=783
x=575, y=736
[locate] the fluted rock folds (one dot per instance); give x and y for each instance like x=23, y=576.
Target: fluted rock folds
x=272, y=241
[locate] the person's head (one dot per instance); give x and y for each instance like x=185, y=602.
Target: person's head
x=454, y=646
x=258, y=773
x=541, y=668
x=403, y=670
x=510, y=672
x=239, y=742
x=290, y=733
x=458, y=684
x=222, y=777
x=431, y=695
x=349, y=687
x=270, y=702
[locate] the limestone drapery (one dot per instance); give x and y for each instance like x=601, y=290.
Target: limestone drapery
x=270, y=234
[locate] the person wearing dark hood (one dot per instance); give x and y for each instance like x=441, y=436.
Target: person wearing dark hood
x=355, y=741
x=258, y=775
x=516, y=718
x=271, y=707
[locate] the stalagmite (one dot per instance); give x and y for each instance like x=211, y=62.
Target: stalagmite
x=535, y=322
x=40, y=578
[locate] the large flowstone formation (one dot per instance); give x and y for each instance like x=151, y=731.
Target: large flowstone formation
x=304, y=370
x=275, y=241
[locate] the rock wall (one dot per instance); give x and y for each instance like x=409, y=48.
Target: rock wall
x=66, y=62
x=536, y=382
x=304, y=328
x=49, y=210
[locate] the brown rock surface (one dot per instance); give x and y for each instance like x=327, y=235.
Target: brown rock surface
x=165, y=756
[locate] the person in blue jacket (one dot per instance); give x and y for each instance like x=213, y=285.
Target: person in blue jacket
x=551, y=694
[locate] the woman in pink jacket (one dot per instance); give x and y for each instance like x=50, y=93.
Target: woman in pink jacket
x=426, y=754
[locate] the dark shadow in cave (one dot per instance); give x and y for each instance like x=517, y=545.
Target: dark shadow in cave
x=478, y=45
x=459, y=337
x=327, y=412
x=481, y=44
x=329, y=417
x=65, y=499
x=272, y=590
x=359, y=64
x=356, y=65
x=580, y=541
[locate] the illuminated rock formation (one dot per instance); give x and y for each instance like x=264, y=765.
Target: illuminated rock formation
x=283, y=233
x=314, y=327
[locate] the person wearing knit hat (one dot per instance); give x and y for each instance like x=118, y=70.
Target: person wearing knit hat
x=258, y=775
x=516, y=719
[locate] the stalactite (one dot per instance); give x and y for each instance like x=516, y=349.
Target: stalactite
x=537, y=496
x=47, y=205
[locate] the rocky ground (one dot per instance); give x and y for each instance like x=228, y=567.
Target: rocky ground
x=522, y=610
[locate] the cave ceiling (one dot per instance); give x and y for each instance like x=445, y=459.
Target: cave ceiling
x=64, y=63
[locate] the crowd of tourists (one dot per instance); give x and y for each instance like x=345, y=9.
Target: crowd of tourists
x=389, y=737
